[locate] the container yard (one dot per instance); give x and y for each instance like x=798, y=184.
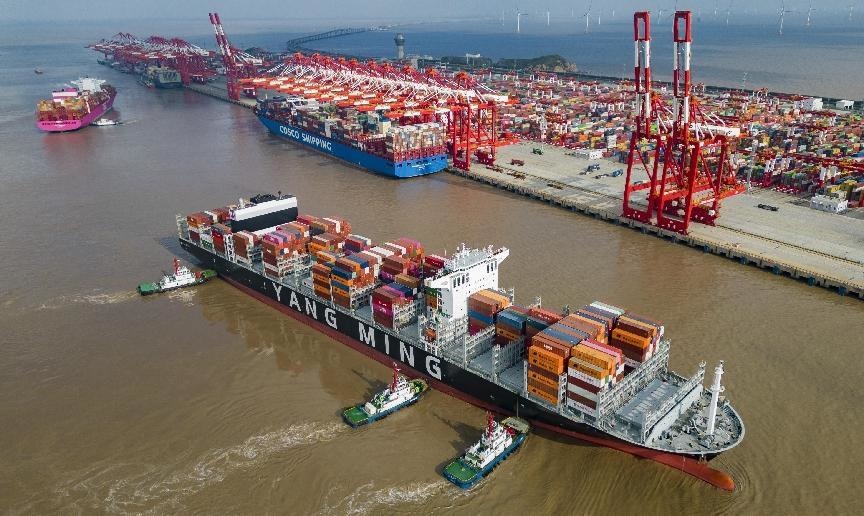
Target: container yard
x=798, y=158
x=820, y=248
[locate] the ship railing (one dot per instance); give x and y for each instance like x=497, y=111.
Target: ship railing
x=182, y=227
x=229, y=250
x=479, y=343
x=651, y=418
x=616, y=397
x=405, y=315
x=506, y=356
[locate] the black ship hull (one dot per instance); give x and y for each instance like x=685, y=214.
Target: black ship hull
x=441, y=374
x=388, y=348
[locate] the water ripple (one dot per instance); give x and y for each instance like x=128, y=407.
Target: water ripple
x=150, y=488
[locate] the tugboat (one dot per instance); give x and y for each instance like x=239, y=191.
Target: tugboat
x=497, y=442
x=182, y=277
x=401, y=393
x=106, y=121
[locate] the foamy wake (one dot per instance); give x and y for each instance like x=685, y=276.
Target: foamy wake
x=94, y=298
x=369, y=500
x=137, y=488
x=185, y=296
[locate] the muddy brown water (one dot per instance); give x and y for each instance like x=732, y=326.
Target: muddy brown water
x=208, y=401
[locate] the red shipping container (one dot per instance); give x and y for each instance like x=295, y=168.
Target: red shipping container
x=582, y=399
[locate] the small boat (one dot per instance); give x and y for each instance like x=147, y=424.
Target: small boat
x=182, y=277
x=401, y=393
x=38, y=71
x=499, y=440
x=105, y=122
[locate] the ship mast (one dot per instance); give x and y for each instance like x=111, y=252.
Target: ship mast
x=716, y=389
x=395, y=378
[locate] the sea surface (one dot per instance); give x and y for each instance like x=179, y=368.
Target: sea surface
x=207, y=401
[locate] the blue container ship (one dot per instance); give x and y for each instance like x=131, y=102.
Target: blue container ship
x=364, y=139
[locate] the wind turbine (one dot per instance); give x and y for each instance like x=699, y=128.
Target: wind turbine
x=810, y=12
x=728, y=12
x=599, y=14
x=851, y=7
x=519, y=15
x=782, y=13
x=660, y=12
x=715, y=9
x=587, y=16
x=547, y=17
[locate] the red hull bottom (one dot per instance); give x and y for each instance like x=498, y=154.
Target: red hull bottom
x=700, y=470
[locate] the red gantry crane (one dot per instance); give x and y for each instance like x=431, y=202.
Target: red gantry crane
x=238, y=64
x=191, y=62
x=691, y=146
x=461, y=104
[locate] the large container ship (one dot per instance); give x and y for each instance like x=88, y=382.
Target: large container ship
x=75, y=107
x=598, y=373
x=365, y=139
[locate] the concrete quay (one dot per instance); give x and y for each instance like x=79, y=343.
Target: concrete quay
x=820, y=248
x=219, y=90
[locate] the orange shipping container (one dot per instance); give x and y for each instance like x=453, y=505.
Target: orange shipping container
x=629, y=338
x=535, y=376
x=542, y=395
x=594, y=373
x=549, y=390
x=593, y=357
x=546, y=360
x=595, y=329
x=562, y=349
x=636, y=327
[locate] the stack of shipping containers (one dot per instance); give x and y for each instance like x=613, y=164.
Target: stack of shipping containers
x=482, y=307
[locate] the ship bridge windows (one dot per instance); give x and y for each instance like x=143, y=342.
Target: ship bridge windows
x=460, y=280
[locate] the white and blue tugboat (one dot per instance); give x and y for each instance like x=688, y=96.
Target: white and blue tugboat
x=401, y=393
x=498, y=441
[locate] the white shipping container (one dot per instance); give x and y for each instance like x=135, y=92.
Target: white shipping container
x=609, y=308
x=586, y=377
x=575, y=389
x=383, y=252
x=262, y=232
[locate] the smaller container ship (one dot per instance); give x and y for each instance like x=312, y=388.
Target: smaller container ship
x=161, y=77
x=363, y=138
x=77, y=106
x=401, y=393
x=498, y=441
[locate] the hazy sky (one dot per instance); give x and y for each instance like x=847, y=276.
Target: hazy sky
x=294, y=11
